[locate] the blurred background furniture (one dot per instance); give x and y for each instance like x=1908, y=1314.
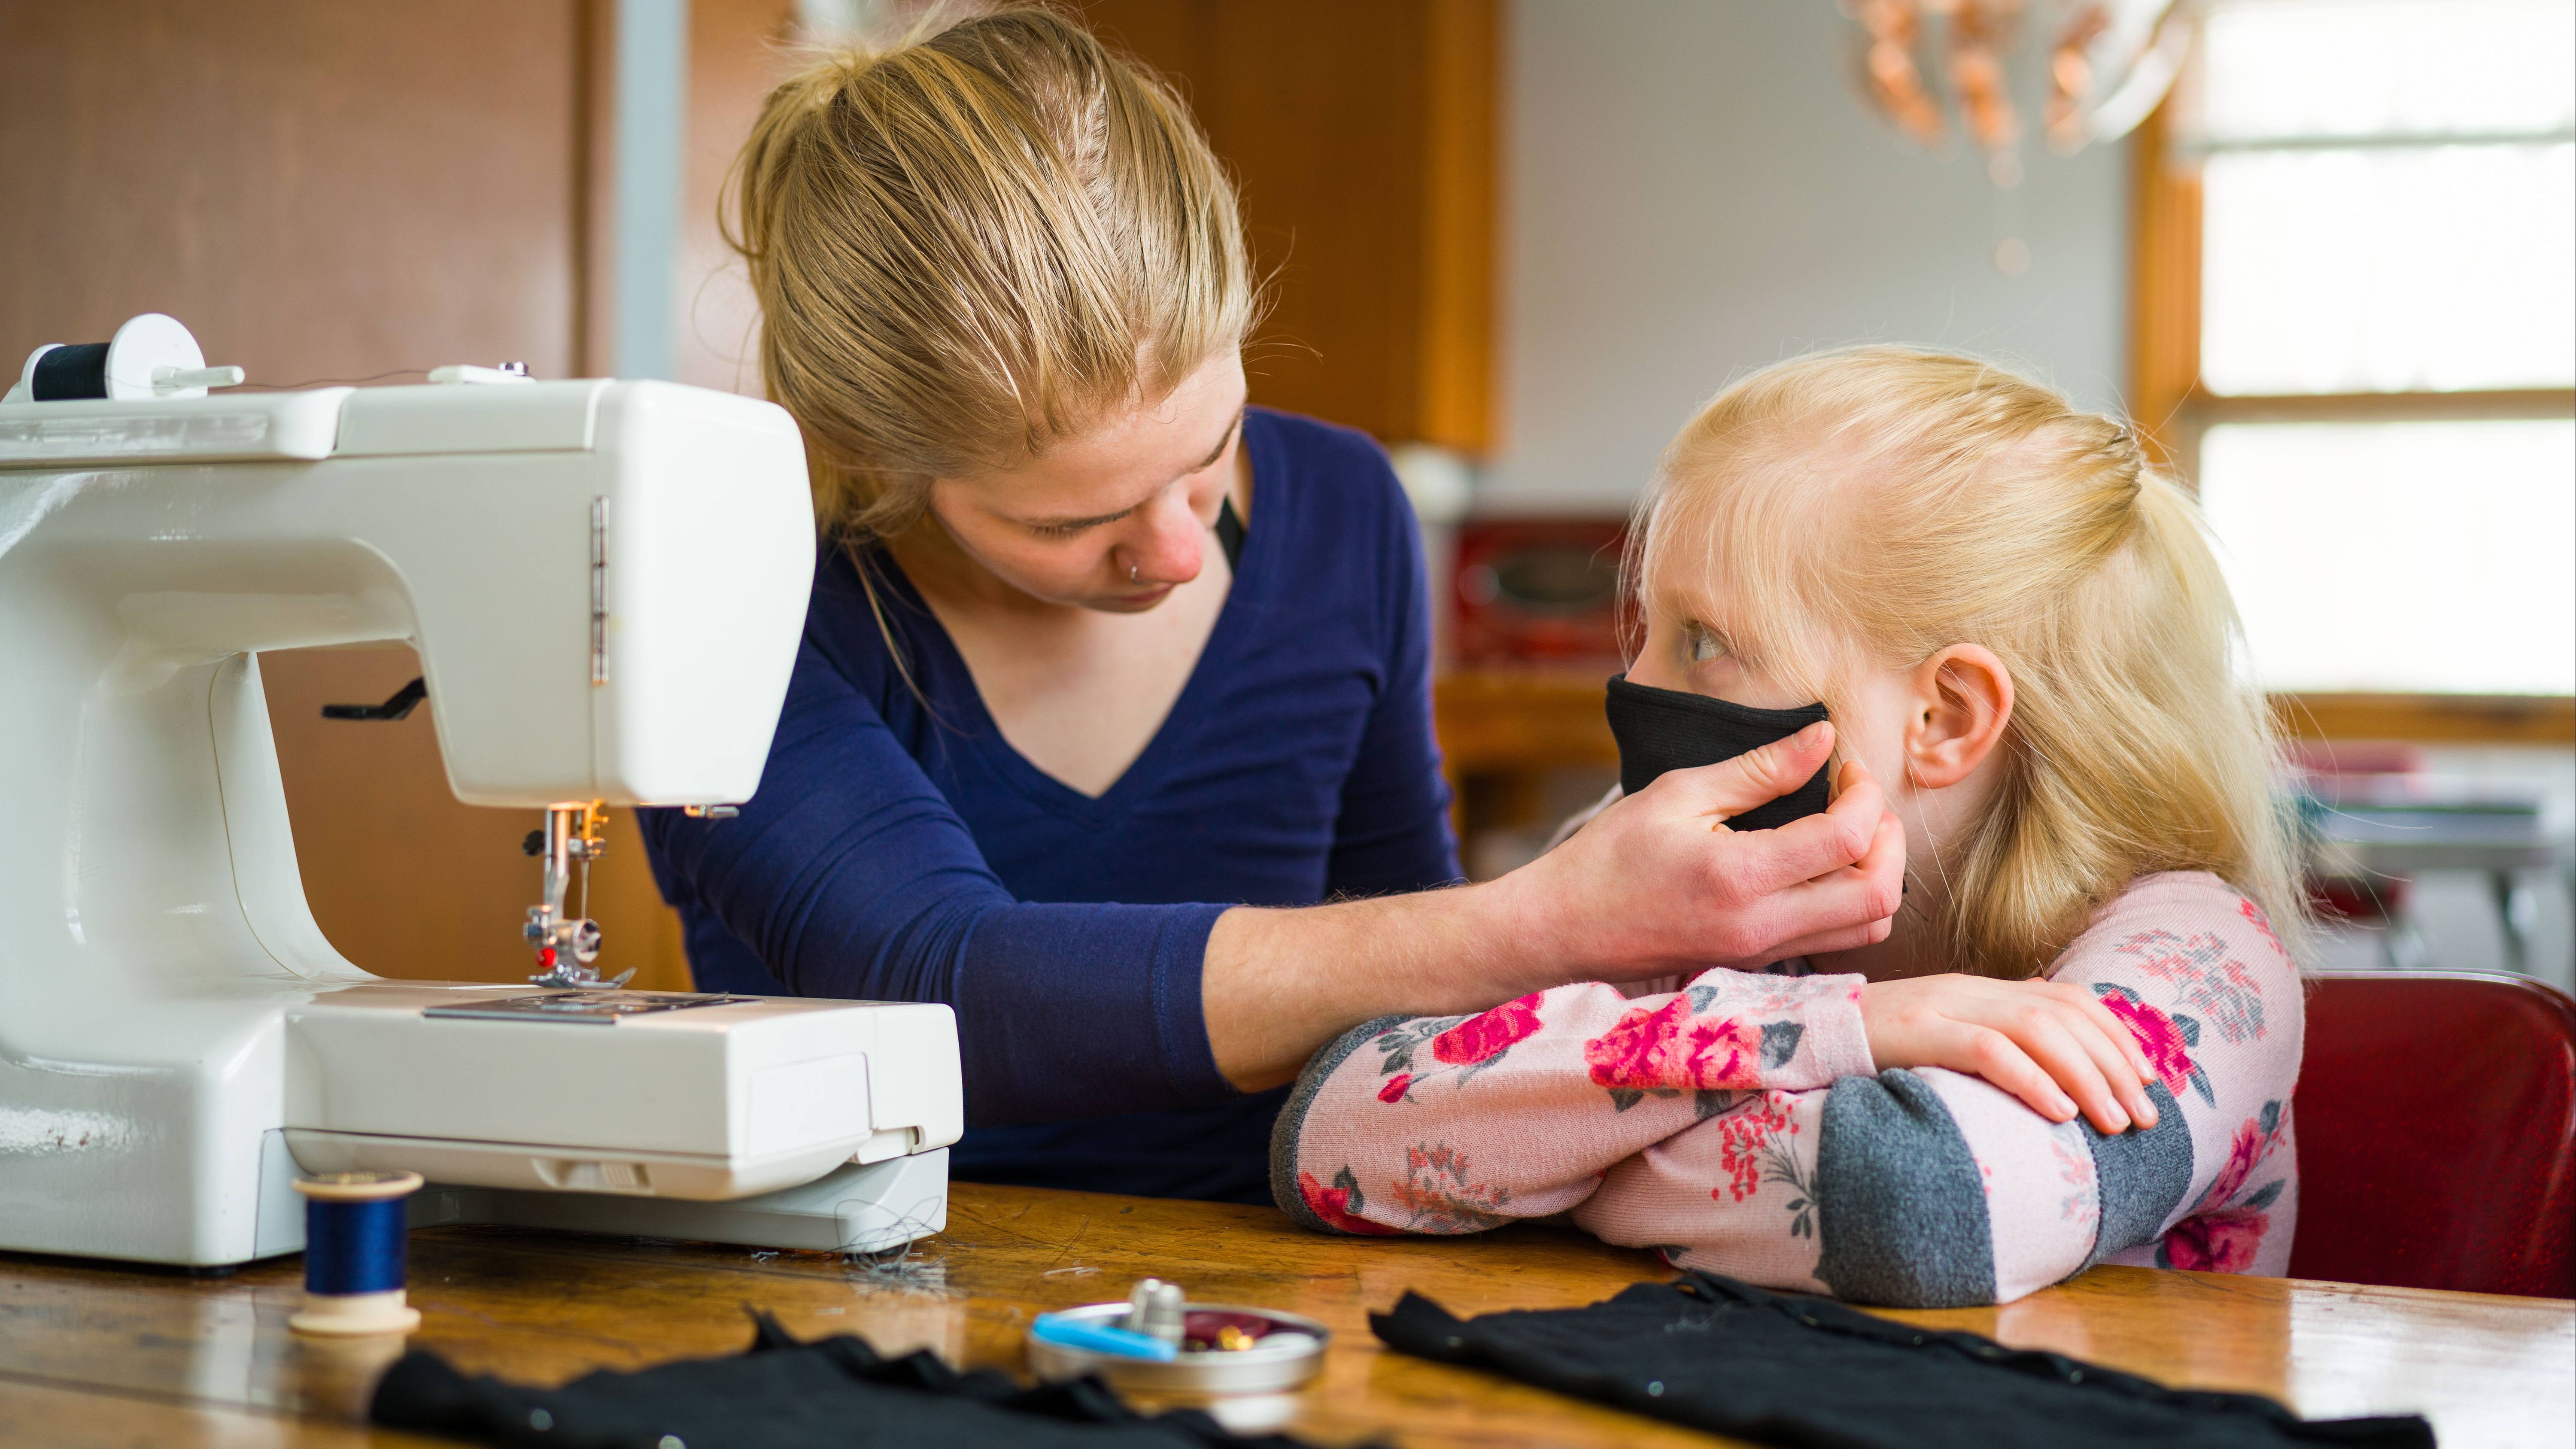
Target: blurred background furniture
x=2436, y=1118
x=2378, y=824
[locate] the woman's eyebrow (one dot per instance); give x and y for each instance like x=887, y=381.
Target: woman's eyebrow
x=1077, y=522
x=1209, y=462
x=1219, y=450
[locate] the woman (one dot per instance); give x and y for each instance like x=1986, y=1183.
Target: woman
x=1108, y=679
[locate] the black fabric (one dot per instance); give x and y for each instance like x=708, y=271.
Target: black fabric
x=1721, y=1355
x=783, y=1394
x=1229, y=535
x=1665, y=729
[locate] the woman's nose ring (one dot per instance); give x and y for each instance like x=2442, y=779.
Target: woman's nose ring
x=1135, y=574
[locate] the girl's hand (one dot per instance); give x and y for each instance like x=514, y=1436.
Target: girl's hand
x=2053, y=1046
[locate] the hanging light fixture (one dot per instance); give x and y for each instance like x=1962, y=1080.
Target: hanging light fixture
x=2109, y=63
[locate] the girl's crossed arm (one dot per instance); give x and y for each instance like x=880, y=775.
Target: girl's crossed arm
x=1456, y=1124
x=1663, y=1122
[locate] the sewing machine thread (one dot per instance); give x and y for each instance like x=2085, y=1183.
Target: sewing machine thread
x=355, y=1238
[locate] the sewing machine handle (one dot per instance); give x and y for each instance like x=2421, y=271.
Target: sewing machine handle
x=395, y=708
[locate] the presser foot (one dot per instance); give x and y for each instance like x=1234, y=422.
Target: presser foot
x=578, y=976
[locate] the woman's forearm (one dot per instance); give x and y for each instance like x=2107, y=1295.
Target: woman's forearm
x=1280, y=983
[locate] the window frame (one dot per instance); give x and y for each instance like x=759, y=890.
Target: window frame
x=2173, y=410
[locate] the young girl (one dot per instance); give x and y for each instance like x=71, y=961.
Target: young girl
x=2018, y=626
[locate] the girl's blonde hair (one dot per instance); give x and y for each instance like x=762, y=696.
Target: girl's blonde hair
x=1874, y=506
x=971, y=244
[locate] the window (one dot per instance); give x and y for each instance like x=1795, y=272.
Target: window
x=2356, y=335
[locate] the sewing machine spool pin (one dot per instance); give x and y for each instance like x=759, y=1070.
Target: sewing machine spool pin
x=152, y=356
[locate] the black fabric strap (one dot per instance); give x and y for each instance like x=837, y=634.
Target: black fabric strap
x=1721, y=1355
x=833, y=1393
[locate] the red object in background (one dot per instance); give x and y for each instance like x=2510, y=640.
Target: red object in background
x=2355, y=757
x=1538, y=591
x=2436, y=1116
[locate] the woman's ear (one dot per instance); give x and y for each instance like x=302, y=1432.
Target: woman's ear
x=1963, y=698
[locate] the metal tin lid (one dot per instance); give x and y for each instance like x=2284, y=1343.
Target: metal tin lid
x=1226, y=1348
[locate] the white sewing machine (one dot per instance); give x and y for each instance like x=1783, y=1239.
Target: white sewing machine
x=605, y=583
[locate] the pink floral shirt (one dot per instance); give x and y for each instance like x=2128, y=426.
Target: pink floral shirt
x=1739, y=1124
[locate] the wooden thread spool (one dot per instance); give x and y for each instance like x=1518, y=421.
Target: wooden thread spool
x=355, y=1234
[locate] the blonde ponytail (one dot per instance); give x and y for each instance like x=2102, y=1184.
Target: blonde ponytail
x=972, y=244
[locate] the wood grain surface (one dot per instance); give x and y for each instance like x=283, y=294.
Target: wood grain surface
x=93, y=1355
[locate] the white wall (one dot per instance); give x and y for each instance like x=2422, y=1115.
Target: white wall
x=1696, y=188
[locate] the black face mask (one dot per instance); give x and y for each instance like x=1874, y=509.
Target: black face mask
x=1663, y=729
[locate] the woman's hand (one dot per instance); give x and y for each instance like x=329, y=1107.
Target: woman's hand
x=1655, y=884
x=2053, y=1046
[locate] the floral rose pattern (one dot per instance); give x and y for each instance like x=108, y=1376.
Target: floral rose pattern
x=1483, y=1038
x=1442, y=1197
x=2075, y=1170
x=1461, y=1046
x=2214, y=1242
x=1669, y=1049
x=2226, y=1229
x=1338, y=1205
x=2215, y=985
x=2166, y=1039
x=1742, y=1136
x=1753, y=1148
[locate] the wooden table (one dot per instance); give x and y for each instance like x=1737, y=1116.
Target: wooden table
x=93, y=1356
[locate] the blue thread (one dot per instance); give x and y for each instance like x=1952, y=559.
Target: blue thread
x=354, y=1247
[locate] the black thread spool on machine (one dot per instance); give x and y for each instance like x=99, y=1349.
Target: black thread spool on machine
x=152, y=356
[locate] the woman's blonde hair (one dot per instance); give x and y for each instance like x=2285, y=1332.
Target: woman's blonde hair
x=971, y=244
x=1876, y=505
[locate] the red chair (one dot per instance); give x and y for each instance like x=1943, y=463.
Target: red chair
x=2436, y=1117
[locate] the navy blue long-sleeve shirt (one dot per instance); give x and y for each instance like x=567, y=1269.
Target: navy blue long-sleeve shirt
x=899, y=849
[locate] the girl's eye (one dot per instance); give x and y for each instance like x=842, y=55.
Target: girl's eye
x=1704, y=646
x=1057, y=530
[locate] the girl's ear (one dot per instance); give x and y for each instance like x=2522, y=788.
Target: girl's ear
x=1963, y=698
